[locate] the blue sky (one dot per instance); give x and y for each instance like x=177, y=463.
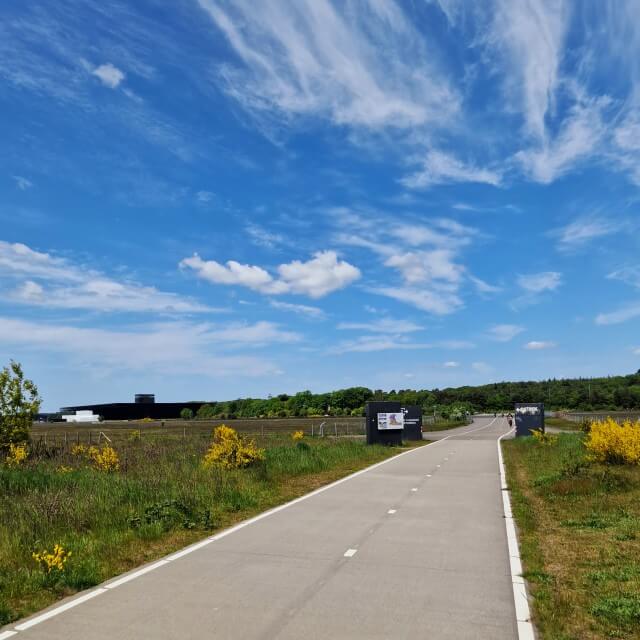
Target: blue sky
x=208, y=200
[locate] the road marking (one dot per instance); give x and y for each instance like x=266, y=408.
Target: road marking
x=414, y=489
x=135, y=574
x=63, y=607
x=428, y=475
x=438, y=466
x=349, y=553
x=7, y=634
x=446, y=459
x=390, y=512
x=520, y=598
x=218, y=536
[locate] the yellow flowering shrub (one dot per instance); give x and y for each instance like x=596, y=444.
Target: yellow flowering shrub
x=231, y=451
x=296, y=436
x=78, y=450
x=614, y=442
x=63, y=469
x=543, y=438
x=105, y=459
x=55, y=561
x=18, y=453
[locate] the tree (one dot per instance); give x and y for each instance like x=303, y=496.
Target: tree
x=186, y=414
x=19, y=403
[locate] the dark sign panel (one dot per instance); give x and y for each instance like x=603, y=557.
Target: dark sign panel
x=412, y=422
x=385, y=422
x=529, y=416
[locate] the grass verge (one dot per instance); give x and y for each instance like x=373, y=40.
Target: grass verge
x=579, y=528
x=443, y=425
x=161, y=500
x=562, y=423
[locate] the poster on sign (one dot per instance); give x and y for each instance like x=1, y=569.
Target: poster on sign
x=389, y=421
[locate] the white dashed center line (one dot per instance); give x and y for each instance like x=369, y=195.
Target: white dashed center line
x=391, y=511
x=349, y=553
x=414, y=489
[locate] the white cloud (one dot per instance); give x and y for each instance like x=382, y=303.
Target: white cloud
x=628, y=275
x=380, y=342
x=484, y=287
x=174, y=348
x=455, y=344
x=539, y=282
x=636, y=351
x=451, y=364
x=537, y=345
x=58, y=283
x=580, y=136
x=619, y=316
x=384, y=325
x=301, y=309
x=109, y=75
x=427, y=266
x=436, y=302
x=204, y=196
x=264, y=238
x=530, y=37
x=315, y=278
x=368, y=67
x=22, y=183
x=580, y=232
x=439, y=167
x=504, y=332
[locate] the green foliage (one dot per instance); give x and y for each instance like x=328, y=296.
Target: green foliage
x=604, y=394
x=186, y=414
x=19, y=402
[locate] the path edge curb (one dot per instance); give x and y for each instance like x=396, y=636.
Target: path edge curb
x=526, y=630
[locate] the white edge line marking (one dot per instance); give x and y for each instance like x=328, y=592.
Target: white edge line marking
x=223, y=534
x=7, y=634
x=63, y=607
x=414, y=489
x=520, y=599
x=428, y=475
x=390, y=512
x=132, y=576
x=349, y=553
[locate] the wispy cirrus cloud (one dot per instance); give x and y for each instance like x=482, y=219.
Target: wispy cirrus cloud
x=540, y=282
x=583, y=230
x=504, y=332
x=384, y=325
x=41, y=279
x=380, y=342
x=300, y=309
x=170, y=347
x=439, y=167
x=539, y=345
x=365, y=68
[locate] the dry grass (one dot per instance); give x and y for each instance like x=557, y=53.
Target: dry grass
x=579, y=527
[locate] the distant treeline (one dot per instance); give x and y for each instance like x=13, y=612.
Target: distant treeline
x=582, y=394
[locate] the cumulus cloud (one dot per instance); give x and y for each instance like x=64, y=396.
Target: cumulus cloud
x=49, y=281
x=504, y=332
x=537, y=345
x=109, y=75
x=315, y=278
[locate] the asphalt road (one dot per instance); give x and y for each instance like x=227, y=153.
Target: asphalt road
x=412, y=548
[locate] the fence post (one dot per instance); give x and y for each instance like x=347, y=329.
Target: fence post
x=312, y=429
x=262, y=430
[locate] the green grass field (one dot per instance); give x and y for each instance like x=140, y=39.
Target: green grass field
x=160, y=500
x=579, y=528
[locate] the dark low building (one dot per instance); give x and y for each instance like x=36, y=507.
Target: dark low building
x=144, y=406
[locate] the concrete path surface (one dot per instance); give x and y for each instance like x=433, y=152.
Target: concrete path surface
x=414, y=547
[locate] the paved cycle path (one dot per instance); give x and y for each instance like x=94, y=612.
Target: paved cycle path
x=414, y=547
